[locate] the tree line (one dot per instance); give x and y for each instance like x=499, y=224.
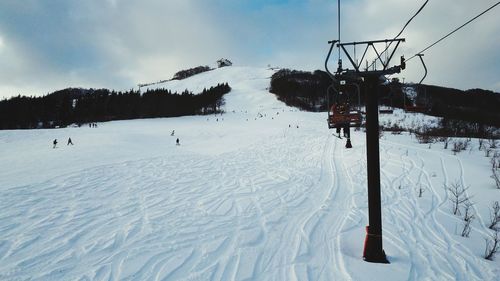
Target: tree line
x=77, y=106
x=305, y=90
x=183, y=74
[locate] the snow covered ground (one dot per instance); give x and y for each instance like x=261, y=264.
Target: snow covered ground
x=263, y=192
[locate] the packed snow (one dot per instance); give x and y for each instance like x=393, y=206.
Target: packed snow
x=261, y=192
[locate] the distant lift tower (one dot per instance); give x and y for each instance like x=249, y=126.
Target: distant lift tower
x=373, y=251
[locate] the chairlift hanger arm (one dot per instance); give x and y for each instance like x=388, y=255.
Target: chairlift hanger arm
x=332, y=44
x=425, y=68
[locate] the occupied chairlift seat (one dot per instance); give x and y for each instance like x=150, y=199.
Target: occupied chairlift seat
x=340, y=115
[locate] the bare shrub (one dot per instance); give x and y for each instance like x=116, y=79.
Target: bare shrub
x=492, y=143
x=446, y=141
x=396, y=132
x=424, y=138
x=460, y=145
x=494, y=161
x=394, y=128
x=457, y=196
x=495, y=175
x=494, y=216
x=468, y=218
x=492, y=245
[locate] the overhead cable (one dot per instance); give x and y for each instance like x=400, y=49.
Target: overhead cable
x=455, y=30
x=407, y=23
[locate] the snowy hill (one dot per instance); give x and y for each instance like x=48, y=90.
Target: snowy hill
x=249, y=87
x=263, y=192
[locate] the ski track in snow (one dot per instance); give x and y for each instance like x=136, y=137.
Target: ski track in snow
x=168, y=219
x=427, y=242
x=286, y=208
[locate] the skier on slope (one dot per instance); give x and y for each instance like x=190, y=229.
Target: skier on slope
x=55, y=143
x=177, y=142
x=69, y=141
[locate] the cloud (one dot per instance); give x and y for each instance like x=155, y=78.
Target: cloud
x=46, y=45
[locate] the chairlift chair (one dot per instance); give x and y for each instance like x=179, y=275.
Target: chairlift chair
x=384, y=109
x=340, y=116
x=341, y=113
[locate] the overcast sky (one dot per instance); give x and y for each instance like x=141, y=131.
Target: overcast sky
x=46, y=45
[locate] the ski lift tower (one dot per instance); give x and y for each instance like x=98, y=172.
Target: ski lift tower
x=373, y=250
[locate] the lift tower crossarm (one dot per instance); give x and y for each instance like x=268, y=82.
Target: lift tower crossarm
x=368, y=44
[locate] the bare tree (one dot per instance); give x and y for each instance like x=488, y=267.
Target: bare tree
x=495, y=174
x=457, y=196
x=446, y=141
x=492, y=245
x=494, y=215
x=493, y=143
x=481, y=144
x=460, y=145
x=468, y=218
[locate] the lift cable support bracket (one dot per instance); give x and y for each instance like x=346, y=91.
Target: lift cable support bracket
x=385, y=63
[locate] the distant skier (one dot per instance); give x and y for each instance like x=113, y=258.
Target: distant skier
x=55, y=143
x=69, y=141
x=177, y=142
x=173, y=133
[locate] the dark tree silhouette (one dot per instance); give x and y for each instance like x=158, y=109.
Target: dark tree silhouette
x=79, y=106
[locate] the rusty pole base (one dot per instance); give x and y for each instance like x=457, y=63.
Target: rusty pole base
x=373, y=251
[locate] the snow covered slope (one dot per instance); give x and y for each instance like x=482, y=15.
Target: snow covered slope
x=249, y=86
x=263, y=192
